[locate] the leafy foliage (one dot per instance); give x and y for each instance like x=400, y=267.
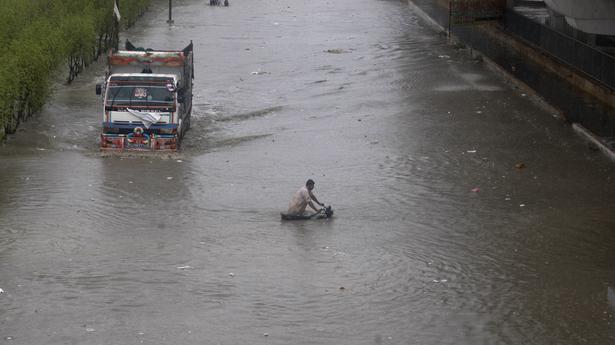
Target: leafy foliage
x=38, y=36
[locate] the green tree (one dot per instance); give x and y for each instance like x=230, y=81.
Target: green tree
x=39, y=36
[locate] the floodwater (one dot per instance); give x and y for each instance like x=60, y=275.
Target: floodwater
x=465, y=212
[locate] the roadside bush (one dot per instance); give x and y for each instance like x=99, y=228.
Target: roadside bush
x=39, y=36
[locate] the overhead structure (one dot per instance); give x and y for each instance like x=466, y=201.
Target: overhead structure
x=590, y=16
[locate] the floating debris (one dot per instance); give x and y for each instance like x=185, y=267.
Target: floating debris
x=520, y=166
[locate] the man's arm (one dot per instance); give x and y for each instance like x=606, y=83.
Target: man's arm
x=313, y=197
x=312, y=206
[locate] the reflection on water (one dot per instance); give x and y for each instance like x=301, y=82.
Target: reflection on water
x=438, y=236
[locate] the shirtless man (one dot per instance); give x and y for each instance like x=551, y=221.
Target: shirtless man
x=302, y=198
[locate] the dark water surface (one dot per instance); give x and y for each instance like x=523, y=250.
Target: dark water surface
x=397, y=129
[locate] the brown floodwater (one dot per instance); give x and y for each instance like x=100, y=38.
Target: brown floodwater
x=465, y=213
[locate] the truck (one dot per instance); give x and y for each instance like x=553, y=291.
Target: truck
x=147, y=99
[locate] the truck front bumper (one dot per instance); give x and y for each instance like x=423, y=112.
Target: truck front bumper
x=121, y=142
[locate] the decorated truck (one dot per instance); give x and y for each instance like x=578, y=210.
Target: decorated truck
x=147, y=99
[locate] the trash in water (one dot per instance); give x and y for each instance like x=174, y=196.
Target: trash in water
x=334, y=51
x=231, y=274
x=1, y=291
x=520, y=166
x=342, y=288
x=169, y=177
x=471, y=151
x=265, y=334
x=184, y=267
x=522, y=205
x=444, y=56
x=475, y=190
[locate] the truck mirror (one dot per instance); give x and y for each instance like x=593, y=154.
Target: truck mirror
x=98, y=89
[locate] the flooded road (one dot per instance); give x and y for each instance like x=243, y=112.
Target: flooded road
x=464, y=212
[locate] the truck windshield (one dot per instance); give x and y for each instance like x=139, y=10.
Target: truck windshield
x=140, y=96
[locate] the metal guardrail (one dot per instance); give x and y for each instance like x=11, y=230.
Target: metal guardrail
x=585, y=58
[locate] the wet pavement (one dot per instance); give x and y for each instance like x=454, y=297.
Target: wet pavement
x=464, y=212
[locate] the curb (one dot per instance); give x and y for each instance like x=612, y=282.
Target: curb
x=591, y=137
